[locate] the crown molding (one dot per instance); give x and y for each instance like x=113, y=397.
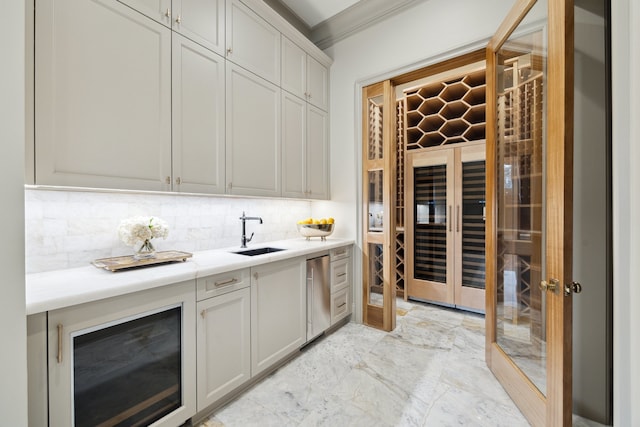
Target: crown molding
x=356, y=18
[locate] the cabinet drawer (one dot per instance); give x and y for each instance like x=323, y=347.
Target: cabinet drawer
x=219, y=284
x=340, y=305
x=340, y=274
x=340, y=253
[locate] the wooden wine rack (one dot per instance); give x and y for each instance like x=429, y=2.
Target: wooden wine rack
x=446, y=112
x=520, y=127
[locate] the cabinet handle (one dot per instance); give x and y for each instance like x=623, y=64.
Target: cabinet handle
x=342, y=274
x=167, y=180
x=229, y=51
x=168, y=13
x=59, y=357
x=178, y=19
x=255, y=276
x=449, y=217
x=178, y=181
x=203, y=313
x=457, y=218
x=230, y=185
x=226, y=282
x=342, y=305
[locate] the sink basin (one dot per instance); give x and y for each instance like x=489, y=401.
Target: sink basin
x=258, y=251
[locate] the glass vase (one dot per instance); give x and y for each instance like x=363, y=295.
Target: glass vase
x=145, y=250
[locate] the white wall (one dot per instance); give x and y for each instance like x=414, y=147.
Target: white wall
x=13, y=356
x=67, y=229
x=625, y=34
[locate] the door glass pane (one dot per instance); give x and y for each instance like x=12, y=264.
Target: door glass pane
x=473, y=220
x=375, y=200
x=430, y=213
x=376, y=279
x=520, y=148
x=374, y=110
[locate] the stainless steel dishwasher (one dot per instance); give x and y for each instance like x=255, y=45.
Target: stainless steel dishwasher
x=318, y=296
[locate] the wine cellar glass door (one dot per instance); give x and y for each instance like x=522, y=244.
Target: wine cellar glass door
x=379, y=202
x=430, y=192
x=446, y=216
x=470, y=216
x=529, y=209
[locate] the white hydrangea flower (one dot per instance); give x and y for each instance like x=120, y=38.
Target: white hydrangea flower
x=133, y=231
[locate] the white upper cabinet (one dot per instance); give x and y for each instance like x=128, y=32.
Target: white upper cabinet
x=200, y=20
x=253, y=134
x=303, y=75
x=102, y=96
x=294, y=151
x=305, y=149
x=294, y=68
x=158, y=10
x=317, y=84
x=198, y=118
x=317, y=173
x=252, y=42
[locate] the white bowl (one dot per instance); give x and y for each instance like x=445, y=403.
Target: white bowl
x=315, y=230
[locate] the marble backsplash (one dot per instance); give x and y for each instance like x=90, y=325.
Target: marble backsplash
x=67, y=229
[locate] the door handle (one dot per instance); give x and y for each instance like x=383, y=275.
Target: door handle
x=573, y=287
x=450, y=218
x=457, y=218
x=552, y=285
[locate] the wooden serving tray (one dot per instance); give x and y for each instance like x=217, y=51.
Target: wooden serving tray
x=124, y=262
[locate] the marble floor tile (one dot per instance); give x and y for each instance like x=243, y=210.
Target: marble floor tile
x=429, y=371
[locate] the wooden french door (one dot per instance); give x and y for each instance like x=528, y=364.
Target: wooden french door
x=529, y=208
x=378, y=205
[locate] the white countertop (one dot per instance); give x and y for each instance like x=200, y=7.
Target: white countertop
x=63, y=288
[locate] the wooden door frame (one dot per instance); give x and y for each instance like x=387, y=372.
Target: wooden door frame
x=554, y=408
x=380, y=317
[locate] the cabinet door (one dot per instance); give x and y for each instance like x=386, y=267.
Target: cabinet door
x=202, y=21
x=223, y=345
x=103, y=96
x=430, y=225
x=198, y=118
x=252, y=42
x=470, y=215
x=340, y=305
x=93, y=373
x=317, y=84
x=158, y=10
x=317, y=153
x=294, y=132
x=294, y=68
x=253, y=134
x=278, y=312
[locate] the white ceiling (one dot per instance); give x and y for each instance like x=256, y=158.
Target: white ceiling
x=313, y=12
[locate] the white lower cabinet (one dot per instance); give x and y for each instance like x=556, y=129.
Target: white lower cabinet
x=341, y=278
x=223, y=345
x=278, y=312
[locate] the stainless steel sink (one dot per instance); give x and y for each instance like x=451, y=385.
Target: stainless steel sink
x=258, y=251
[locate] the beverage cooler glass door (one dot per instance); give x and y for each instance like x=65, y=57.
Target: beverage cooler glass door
x=124, y=361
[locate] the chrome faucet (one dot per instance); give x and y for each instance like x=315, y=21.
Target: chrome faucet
x=244, y=219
